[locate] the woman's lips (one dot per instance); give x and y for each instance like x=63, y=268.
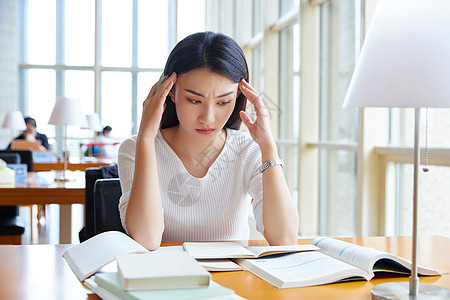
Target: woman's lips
x=205, y=131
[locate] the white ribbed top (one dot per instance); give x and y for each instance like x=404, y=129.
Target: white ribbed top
x=211, y=208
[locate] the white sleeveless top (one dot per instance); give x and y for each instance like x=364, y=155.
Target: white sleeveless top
x=211, y=208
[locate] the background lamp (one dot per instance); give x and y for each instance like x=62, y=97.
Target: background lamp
x=67, y=111
x=405, y=62
x=93, y=121
x=14, y=121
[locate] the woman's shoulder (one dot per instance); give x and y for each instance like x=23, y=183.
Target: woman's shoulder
x=241, y=141
x=129, y=144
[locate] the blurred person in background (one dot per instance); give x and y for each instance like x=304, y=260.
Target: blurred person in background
x=30, y=134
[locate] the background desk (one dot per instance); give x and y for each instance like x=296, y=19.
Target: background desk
x=40, y=272
x=41, y=188
x=73, y=165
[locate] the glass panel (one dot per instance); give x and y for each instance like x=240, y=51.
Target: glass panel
x=255, y=79
x=145, y=82
x=116, y=32
x=337, y=194
x=153, y=45
x=433, y=200
x=256, y=70
x=402, y=127
x=290, y=168
x=41, y=98
x=338, y=55
x=80, y=35
x=41, y=32
x=190, y=17
x=80, y=85
x=116, y=103
x=258, y=17
x=289, y=83
x=287, y=5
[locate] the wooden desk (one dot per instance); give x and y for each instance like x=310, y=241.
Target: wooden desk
x=39, y=272
x=73, y=165
x=40, y=188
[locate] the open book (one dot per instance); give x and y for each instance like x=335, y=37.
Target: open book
x=336, y=261
x=91, y=255
x=101, y=250
x=215, y=250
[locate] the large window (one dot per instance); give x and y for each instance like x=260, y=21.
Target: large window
x=106, y=53
x=433, y=187
x=289, y=104
x=338, y=126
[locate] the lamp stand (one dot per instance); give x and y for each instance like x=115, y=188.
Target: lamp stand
x=64, y=157
x=413, y=290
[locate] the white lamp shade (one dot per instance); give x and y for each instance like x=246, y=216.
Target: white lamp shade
x=405, y=59
x=14, y=120
x=67, y=111
x=94, y=122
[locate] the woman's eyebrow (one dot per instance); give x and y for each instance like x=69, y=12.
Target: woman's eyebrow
x=201, y=95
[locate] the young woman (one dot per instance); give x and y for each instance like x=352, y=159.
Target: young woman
x=189, y=174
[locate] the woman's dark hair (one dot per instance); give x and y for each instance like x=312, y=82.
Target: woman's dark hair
x=207, y=50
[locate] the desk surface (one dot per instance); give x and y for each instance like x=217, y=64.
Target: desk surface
x=73, y=165
x=39, y=272
x=40, y=188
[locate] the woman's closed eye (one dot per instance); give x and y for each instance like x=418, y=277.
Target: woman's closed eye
x=193, y=101
x=223, y=103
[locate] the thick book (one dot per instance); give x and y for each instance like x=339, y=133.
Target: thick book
x=110, y=282
x=335, y=261
x=216, y=250
x=156, y=270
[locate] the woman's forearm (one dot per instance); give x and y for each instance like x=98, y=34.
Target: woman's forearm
x=144, y=216
x=280, y=215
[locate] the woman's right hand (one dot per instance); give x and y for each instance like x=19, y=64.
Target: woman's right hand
x=153, y=107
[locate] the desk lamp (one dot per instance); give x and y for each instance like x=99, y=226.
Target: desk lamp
x=67, y=111
x=405, y=62
x=14, y=121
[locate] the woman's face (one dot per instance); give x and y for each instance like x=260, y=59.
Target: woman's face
x=204, y=101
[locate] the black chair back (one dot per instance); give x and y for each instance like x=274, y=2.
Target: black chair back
x=26, y=157
x=91, y=176
x=10, y=158
x=107, y=194
x=10, y=222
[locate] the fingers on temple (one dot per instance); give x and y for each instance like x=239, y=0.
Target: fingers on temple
x=167, y=86
x=251, y=94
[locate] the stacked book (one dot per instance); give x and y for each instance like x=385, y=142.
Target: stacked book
x=157, y=276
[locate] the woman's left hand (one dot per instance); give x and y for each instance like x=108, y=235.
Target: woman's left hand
x=260, y=128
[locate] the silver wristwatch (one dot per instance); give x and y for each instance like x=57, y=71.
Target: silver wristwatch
x=271, y=163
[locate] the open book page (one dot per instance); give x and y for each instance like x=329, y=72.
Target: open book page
x=101, y=292
x=368, y=259
x=88, y=257
x=302, y=269
x=358, y=256
x=201, y=250
x=270, y=250
x=219, y=265
x=216, y=250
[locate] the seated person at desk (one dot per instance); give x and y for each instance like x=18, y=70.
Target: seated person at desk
x=107, y=146
x=30, y=134
x=190, y=174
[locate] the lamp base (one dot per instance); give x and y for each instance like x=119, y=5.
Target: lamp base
x=62, y=179
x=60, y=176
x=400, y=290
